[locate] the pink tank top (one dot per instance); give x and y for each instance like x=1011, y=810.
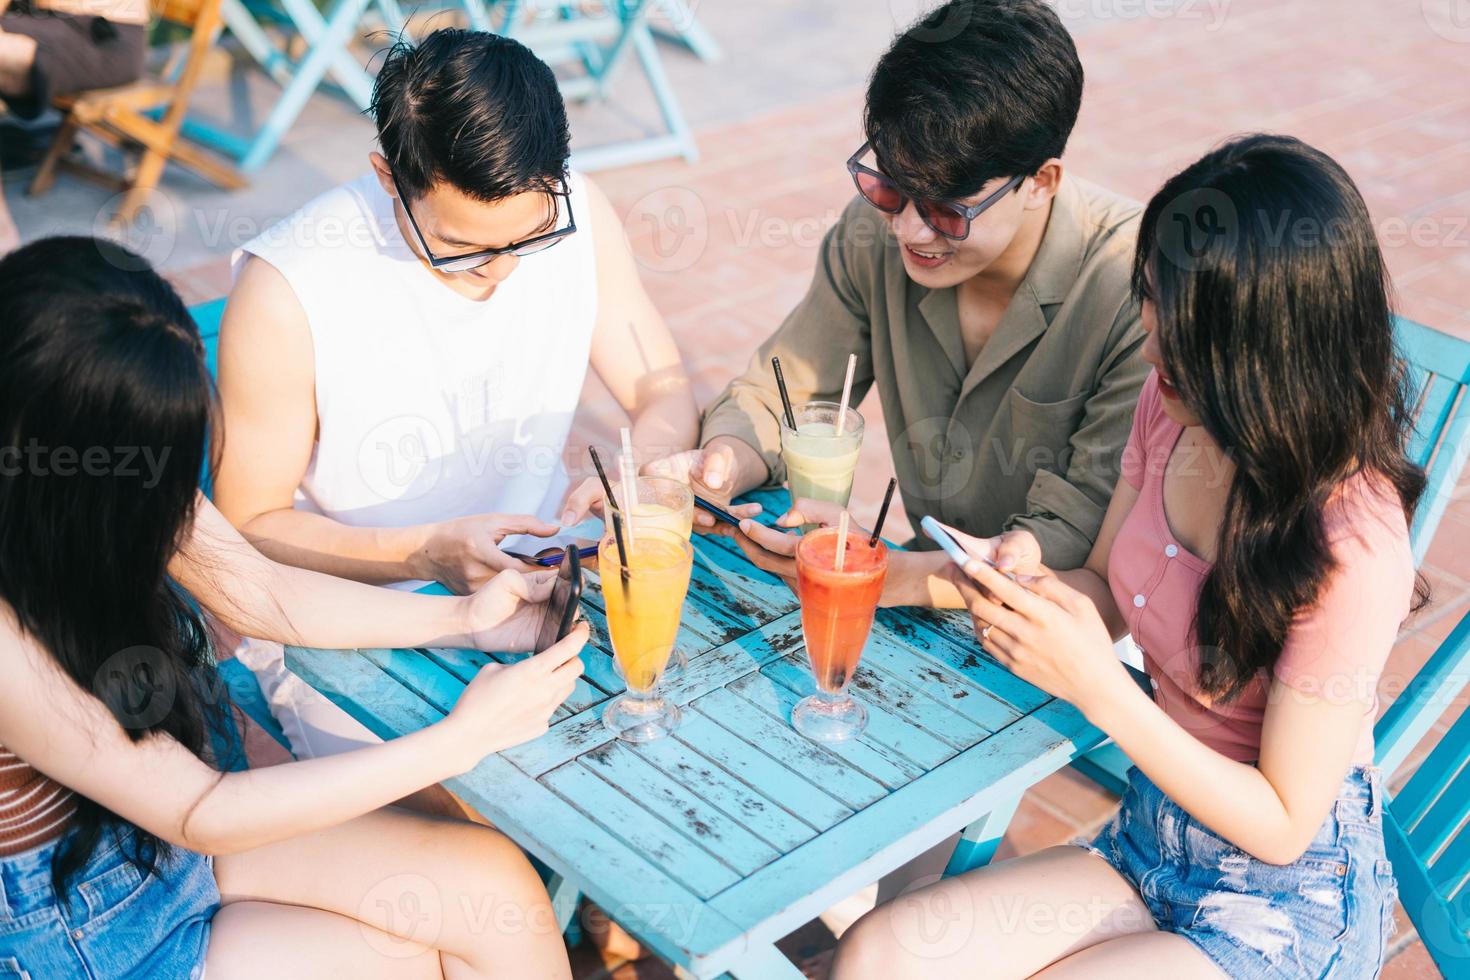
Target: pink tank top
x=1336, y=649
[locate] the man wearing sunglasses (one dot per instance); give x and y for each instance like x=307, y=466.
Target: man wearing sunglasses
x=984, y=292
x=401, y=360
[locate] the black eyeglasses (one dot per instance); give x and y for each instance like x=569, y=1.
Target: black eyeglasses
x=473, y=260
x=948, y=218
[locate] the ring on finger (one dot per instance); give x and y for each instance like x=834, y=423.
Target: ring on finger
x=985, y=633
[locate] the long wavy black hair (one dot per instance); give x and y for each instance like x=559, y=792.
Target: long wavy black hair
x=1276, y=327
x=105, y=406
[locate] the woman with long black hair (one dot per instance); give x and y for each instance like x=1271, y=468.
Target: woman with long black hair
x=107, y=807
x=1257, y=550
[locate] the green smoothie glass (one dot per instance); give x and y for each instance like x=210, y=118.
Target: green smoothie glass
x=819, y=462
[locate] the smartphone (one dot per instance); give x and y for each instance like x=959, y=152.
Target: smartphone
x=561, y=608
x=936, y=533
x=940, y=535
x=719, y=514
x=554, y=558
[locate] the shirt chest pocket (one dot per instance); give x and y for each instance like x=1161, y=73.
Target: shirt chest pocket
x=1041, y=432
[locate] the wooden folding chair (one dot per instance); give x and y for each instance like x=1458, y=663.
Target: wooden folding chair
x=143, y=116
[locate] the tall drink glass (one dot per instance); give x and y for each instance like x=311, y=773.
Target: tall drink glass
x=666, y=503
x=644, y=599
x=819, y=462
x=662, y=502
x=836, y=617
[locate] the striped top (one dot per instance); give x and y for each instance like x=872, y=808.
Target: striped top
x=34, y=809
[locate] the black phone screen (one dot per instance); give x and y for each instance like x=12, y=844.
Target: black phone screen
x=561, y=608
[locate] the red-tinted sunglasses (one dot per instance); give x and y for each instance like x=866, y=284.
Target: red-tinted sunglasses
x=948, y=218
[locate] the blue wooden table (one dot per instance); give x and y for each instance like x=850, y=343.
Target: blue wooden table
x=711, y=845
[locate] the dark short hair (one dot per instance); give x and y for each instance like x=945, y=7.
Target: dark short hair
x=976, y=89
x=472, y=109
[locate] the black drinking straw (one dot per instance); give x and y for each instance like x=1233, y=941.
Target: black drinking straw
x=785, y=398
x=883, y=512
x=612, y=504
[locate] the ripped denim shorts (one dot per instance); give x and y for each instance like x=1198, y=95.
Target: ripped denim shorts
x=1329, y=914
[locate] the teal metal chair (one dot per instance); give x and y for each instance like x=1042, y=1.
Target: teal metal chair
x=1424, y=822
x=1439, y=366
x=597, y=44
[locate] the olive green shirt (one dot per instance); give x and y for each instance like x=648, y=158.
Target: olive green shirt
x=1030, y=435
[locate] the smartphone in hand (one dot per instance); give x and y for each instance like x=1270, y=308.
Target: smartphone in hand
x=941, y=536
x=554, y=559
x=719, y=513
x=561, y=608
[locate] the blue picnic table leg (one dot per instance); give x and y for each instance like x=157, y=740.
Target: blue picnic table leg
x=328, y=51
x=684, y=29
x=564, y=899
x=763, y=962
x=977, y=844
x=663, y=91
x=252, y=37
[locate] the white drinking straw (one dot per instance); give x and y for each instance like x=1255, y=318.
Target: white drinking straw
x=630, y=483
x=841, y=540
x=846, y=392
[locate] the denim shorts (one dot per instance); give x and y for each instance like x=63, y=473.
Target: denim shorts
x=1329, y=914
x=113, y=922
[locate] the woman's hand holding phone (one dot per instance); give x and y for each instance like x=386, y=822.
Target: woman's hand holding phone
x=505, y=614
x=506, y=705
x=1016, y=553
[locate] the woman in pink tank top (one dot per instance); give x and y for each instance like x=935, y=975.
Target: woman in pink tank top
x=1257, y=551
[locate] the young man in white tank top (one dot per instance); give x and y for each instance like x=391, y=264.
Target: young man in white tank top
x=401, y=360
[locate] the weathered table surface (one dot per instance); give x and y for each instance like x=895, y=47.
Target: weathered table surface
x=711, y=845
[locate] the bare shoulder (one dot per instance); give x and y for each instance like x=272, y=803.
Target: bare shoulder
x=263, y=309
x=606, y=224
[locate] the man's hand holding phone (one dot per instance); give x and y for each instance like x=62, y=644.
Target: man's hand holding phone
x=716, y=473
x=774, y=550
x=463, y=554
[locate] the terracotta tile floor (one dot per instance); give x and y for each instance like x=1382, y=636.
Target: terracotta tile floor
x=728, y=244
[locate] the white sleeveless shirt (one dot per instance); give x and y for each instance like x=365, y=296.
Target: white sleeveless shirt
x=431, y=405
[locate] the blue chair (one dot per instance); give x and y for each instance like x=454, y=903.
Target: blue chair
x=1439, y=367
x=1424, y=821
x=238, y=684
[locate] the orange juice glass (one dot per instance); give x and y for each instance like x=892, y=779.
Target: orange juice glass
x=662, y=502
x=644, y=599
